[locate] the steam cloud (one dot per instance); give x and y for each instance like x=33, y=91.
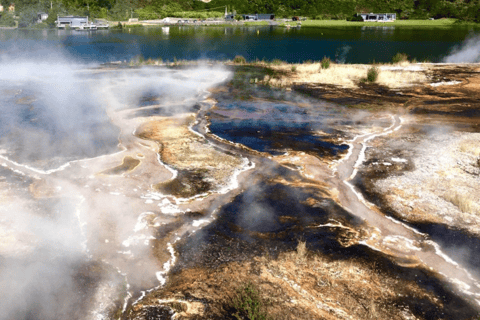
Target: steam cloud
x=468, y=52
x=53, y=112
x=341, y=55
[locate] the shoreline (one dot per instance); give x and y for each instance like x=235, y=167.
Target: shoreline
x=287, y=23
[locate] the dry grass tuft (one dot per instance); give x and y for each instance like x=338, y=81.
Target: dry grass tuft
x=301, y=250
x=463, y=201
x=343, y=75
x=470, y=146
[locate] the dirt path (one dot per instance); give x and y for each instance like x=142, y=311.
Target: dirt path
x=392, y=237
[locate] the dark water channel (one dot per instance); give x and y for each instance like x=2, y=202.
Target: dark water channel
x=343, y=44
x=277, y=127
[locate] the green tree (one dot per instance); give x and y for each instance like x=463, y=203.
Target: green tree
x=28, y=17
x=123, y=9
x=7, y=20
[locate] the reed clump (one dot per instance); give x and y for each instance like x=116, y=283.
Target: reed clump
x=239, y=60
x=248, y=304
x=400, y=57
x=277, y=62
x=325, y=63
x=372, y=74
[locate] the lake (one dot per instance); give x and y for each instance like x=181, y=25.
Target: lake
x=342, y=44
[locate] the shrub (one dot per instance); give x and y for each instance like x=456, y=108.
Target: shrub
x=27, y=18
x=372, y=74
x=118, y=26
x=325, y=63
x=400, y=57
x=355, y=18
x=294, y=68
x=7, y=20
x=239, y=59
x=247, y=304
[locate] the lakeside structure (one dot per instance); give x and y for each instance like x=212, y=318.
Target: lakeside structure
x=378, y=17
x=259, y=16
x=71, y=21
x=42, y=16
x=79, y=23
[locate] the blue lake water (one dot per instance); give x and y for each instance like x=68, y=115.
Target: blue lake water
x=344, y=44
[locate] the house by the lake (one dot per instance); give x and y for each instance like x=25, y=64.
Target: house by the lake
x=259, y=16
x=71, y=21
x=75, y=22
x=42, y=16
x=378, y=17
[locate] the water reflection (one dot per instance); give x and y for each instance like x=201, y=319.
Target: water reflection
x=267, y=42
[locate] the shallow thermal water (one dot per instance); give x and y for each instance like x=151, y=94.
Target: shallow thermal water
x=277, y=127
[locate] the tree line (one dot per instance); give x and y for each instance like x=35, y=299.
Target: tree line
x=26, y=10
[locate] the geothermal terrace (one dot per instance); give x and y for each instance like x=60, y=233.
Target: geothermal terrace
x=155, y=192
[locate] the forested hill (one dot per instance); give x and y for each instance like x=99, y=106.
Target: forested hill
x=468, y=10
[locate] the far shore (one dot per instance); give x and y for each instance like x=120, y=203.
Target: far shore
x=287, y=23
x=283, y=22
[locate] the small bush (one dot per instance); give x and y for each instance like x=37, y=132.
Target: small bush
x=325, y=63
x=400, y=57
x=239, y=59
x=6, y=19
x=247, y=304
x=118, y=26
x=294, y=68
x=355, y=18
x=372, y=74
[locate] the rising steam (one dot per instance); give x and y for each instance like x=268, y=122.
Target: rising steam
x=65, y=253
x=468, y=52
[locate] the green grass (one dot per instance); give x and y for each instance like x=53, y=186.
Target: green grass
x=325, y=63
x=396, y=23
x=400, y=57
x=277, y=62
x=247, y=304
x=372, y=74
x=239, y=60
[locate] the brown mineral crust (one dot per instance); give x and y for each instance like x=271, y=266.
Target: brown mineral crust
x=300, y=285
x=42, y=189
x=307, y=285
x=128, y=164
x=184, y=150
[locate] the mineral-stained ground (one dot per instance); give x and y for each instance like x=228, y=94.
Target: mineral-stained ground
x=351, y=201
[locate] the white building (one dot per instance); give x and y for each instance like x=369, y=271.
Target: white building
x=378, y=17
x=42, y=16
x=71, y=21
